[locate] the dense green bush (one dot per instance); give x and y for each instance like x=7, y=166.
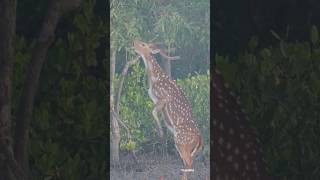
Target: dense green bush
x=280, y=90
x=136, y=107
x=68, y=135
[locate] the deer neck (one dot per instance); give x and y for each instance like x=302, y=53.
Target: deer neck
x=153, y=69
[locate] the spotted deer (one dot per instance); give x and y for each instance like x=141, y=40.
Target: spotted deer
x=169, y=99
x=237, y=154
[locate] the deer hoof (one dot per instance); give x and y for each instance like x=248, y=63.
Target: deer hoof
x=187, y=170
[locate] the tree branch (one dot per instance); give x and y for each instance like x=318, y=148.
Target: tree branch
x=8, y=167
x=123, y=75
x=116, y=110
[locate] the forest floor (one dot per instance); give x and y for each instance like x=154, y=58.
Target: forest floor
x=153, y=165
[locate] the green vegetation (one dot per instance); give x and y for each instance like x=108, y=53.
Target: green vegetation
x=183, y=25
x=68, y=128
x=280, y=90
x=68, y=135
x=183, y=28
x=279, y=86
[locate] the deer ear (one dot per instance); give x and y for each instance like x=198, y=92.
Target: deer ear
x=155, y=51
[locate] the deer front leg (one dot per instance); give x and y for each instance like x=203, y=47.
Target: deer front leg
x=158, y=108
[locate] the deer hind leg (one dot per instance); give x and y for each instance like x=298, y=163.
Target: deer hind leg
x=158, y=108
x=188, y=165
x=184, y=162
x=199, y=147
x=185, y=154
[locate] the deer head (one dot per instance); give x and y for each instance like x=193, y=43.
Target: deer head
x=146, y=49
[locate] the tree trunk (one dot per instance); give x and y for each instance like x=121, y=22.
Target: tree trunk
x=44, y=41
x=121, y=81
x=167, y=65
x=115, y=135
x=7, y=36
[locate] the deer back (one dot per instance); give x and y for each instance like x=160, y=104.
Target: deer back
x=236, y=150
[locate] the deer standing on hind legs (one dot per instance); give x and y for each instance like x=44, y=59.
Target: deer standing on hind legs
x=170, y=100
x=237, y=154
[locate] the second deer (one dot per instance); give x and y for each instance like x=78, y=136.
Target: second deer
x=237, y=153
x=169, y=99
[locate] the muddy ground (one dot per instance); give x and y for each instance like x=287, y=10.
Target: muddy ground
x=153, y=165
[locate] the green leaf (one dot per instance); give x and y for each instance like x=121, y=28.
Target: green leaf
x=265, y=53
